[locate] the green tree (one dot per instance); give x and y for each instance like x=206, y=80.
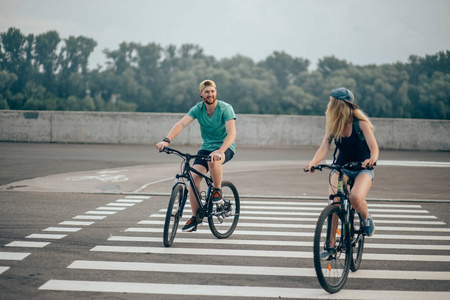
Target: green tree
x=330, y=64
x=16, y=57
x=73, y=58
x=46, y=57
x=285, y=67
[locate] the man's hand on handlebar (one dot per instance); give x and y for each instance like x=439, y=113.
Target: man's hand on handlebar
x=217, y=156
x=161, y=145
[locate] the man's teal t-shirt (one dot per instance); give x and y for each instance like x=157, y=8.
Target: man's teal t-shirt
x=213, y=129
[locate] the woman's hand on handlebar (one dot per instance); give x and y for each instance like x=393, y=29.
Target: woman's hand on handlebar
x=308, y=167
x=369, y=163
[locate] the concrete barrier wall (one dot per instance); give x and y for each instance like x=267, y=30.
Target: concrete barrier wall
x=252, y=130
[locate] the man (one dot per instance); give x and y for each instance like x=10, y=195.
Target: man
x=218, y=131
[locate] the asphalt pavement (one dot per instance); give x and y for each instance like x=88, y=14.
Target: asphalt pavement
x=268, y=172
x=52, y=189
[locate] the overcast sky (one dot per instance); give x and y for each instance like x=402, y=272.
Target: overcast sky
x=359, y=31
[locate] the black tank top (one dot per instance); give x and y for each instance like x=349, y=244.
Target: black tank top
x=352, y=149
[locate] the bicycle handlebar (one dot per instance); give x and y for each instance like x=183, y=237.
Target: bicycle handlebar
x=185, y=155
x=336, y=167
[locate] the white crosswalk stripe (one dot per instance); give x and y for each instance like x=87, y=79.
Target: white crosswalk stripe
x=235, y=291
x=13, y=255
x=277, y=231
x=248, y=270
x=27, y=244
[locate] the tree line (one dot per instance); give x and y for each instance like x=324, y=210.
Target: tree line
x=46, y=72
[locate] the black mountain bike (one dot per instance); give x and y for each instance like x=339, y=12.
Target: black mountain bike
x=339, y=231
x=222, y=218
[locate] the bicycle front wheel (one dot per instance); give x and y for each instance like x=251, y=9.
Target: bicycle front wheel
x=357, y=237
x=173, y=215
x=224, y=217
x=331, y=238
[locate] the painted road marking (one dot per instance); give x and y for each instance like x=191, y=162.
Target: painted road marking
x=313, y=226
x=100, y=212
x=249, y=270
x=46, y=236
x=261, y=253
x=367, y=243
x=76, y=223
x=235, y=291
x=138, y=197
x=82, y=217
x=256, y=291
x=110, y=208
x=120, y=204
x=298, y=234
x=27, y=244
x=13, y=255
x=291, y=213
x=63, y=229
x=129, y=201
x=325, y=203
x=293, y=208
x=303, y=219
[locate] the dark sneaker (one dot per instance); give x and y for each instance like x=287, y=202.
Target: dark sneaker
x=327, y=254
x=369, y=226
x=191, y=225
x=217, y=196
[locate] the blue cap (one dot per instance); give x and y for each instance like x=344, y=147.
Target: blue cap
x=344, y=94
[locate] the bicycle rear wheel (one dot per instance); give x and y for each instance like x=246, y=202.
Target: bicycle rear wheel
x=332, y=271
x=224, y=217
x=173, y=215
x=357, y=237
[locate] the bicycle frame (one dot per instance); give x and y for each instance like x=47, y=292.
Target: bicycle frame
x=204, y=208
x=342, y=194
x=222, y=217
x=187, y=170
x=332, y=270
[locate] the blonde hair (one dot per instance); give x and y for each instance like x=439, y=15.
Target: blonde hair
x=338, y=114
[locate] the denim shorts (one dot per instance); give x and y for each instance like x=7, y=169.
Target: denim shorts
x=198, y=161
x=351, y=174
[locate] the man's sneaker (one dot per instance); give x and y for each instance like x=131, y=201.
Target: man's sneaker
x=326, y=254
x=191, y=225
x=369, y=226
x=217, y=196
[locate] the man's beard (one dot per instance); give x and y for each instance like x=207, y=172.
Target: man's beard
x=210, y=100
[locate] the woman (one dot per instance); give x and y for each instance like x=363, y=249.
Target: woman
x=339, y=126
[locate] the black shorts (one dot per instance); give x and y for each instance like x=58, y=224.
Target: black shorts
x=198, y=161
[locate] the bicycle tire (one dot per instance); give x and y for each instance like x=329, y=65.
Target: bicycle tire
x=173, y=215
x=358, y=238
x=333, y=272
x=224, y=217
